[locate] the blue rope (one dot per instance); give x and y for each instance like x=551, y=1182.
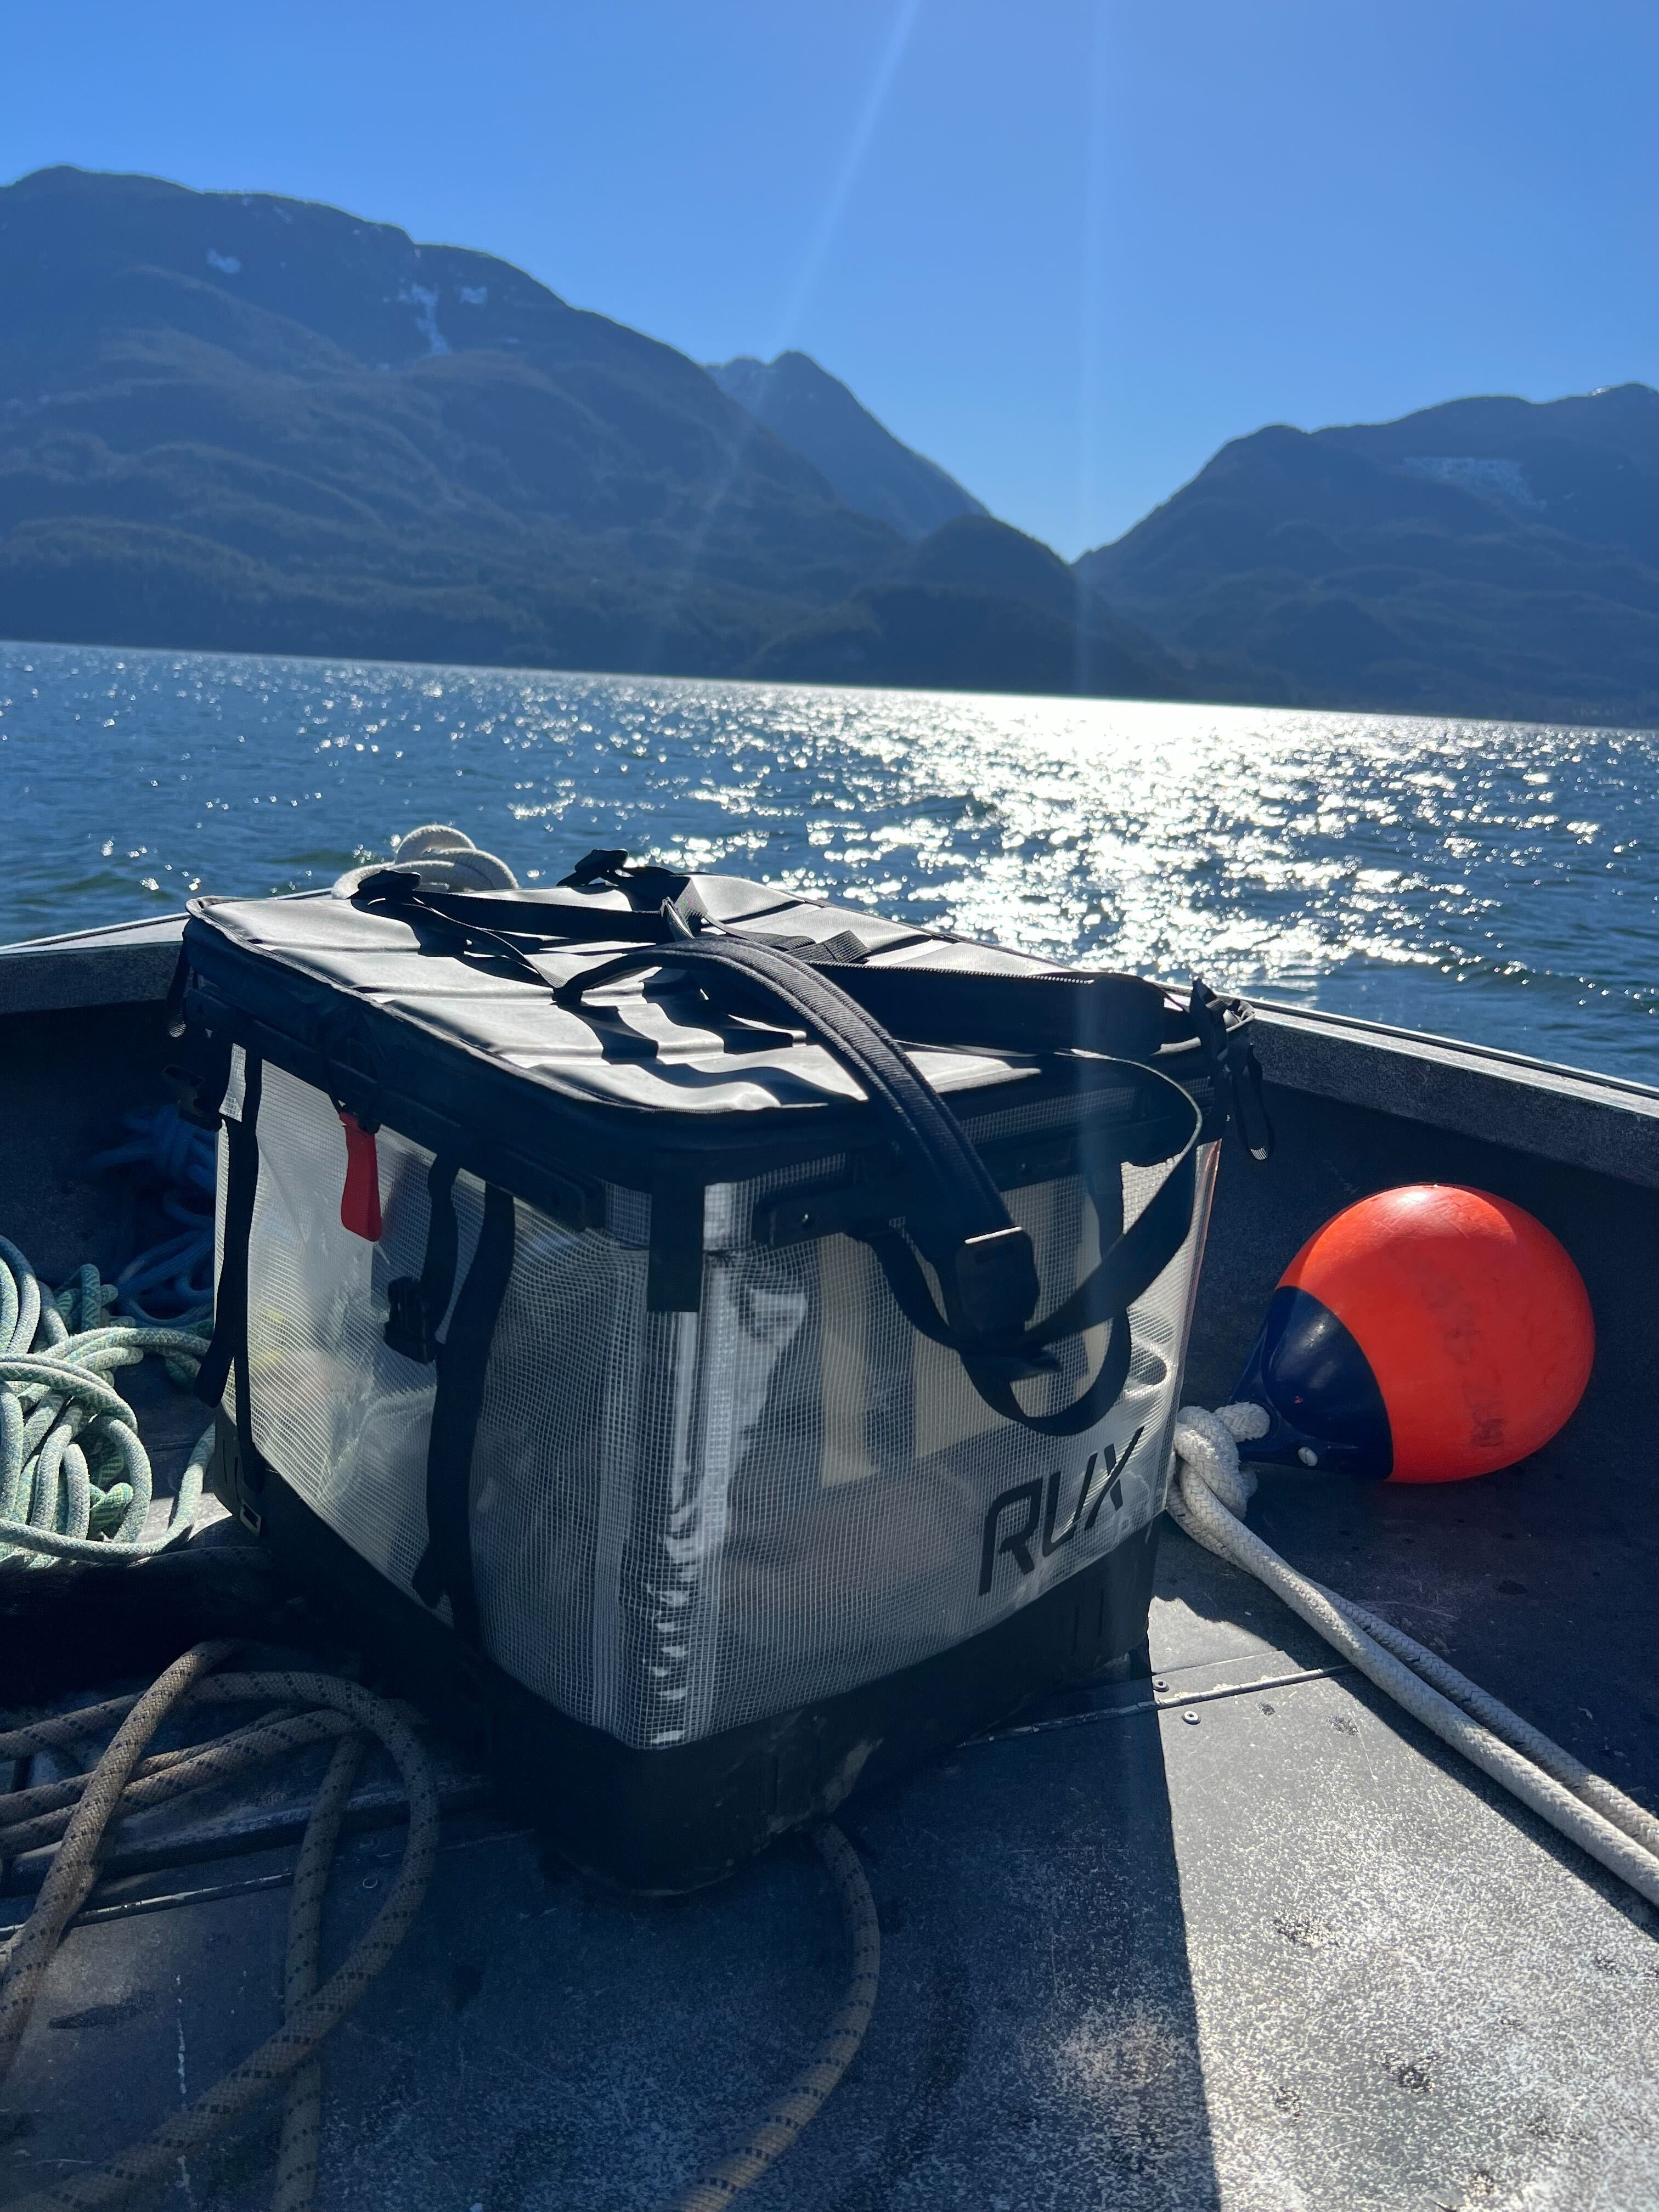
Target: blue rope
x=170, y=1285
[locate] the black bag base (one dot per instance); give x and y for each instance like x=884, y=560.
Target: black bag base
x=661, y=1822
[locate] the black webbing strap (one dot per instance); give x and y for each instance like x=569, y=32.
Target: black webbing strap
x=1130, y=1264
x=1138, y=1257
x=1033, y=1010
x=418, y=1305
x=488, y=920
x=228, y=1347
x=958, y=1218
x=1233, y=1064
x=446, y=1565
x=642, y=883
x=1029, y=1011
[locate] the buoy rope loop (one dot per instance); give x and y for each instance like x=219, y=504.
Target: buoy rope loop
x=1208, y=1496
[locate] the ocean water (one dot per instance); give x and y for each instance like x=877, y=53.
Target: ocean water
x=1487, y=880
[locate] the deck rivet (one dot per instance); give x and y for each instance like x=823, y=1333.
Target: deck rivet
x=1192, y=1719
x=1160, y=1685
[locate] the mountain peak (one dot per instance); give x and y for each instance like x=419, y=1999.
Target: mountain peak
x=1489, y=555
x=364, y=287
x=866, y=464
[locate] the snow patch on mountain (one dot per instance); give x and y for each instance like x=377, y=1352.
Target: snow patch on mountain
x=424, y=299
x=1508, y=479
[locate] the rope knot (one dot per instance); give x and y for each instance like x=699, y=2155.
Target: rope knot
x=1208, y=1444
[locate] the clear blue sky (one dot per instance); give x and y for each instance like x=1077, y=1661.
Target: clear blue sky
x=1067, y=247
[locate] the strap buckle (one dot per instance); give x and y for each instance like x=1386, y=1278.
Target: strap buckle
x=602, y=865
x=412, y=1324
x=995, y=1278
x=1233, y=1059
x=200, y=1092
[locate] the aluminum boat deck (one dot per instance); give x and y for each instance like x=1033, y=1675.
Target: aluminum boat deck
x=1229, y=1933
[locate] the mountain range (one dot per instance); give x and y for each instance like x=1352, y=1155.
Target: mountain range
x=1487, y=557
x=240, y=422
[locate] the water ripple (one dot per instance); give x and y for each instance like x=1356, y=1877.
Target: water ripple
x=1485, y=879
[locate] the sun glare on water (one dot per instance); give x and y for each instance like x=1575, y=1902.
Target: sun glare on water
x=1480, y=879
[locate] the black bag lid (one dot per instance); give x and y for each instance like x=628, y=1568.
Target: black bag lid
x=438, y=1014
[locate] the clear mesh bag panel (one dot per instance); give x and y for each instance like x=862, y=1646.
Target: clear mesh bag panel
x=681, y=1522
x=338, y=1413
x=830, y=1514
x=566, y=1423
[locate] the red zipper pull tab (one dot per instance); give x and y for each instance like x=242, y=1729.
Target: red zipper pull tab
x=360, y=1201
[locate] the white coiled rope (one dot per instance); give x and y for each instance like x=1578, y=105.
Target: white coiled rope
x=75, y=1478
x=1208, y=1499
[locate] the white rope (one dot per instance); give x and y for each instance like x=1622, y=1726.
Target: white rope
x=75, y=1477
x=1208, y=1499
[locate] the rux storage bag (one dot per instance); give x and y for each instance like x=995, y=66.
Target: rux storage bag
x=723, y=1344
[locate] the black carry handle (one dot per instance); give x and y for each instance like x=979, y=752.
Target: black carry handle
x=1127, y=1268
x=493, y=916
x=983, y=1260
x=479, y=926
x=1033, y=1010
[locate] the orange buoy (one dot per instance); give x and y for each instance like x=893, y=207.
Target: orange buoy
x=1425, y=1334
